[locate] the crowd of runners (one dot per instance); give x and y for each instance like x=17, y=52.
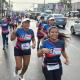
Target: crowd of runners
x=50, y=45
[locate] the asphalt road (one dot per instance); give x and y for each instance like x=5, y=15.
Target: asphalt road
x=70, y=72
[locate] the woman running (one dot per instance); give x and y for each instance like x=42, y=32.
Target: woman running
x=52, y=49
x=22, y=50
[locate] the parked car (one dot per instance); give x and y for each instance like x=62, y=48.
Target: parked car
x=75, y=28
x=72, y=14
x=34, y=15
x=45, y=15
x=60, y=20
x=48, y=11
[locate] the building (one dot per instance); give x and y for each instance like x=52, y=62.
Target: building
x=75, y=6
x=54, y=7
x=4, y=8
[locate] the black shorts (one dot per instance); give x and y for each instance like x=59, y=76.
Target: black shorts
x=52, y=75
x=19, y=52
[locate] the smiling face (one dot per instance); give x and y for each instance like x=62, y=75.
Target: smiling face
x=51, y=22
x=26, y=24
x=53, y=34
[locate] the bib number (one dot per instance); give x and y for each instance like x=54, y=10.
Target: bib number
x=53, y=67
x=57, y=51
x=25, y=46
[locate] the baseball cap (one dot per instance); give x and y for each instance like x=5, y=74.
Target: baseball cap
x=26, y=20
x=51, y=18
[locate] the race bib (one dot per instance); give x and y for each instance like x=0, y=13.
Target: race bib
x=25, y=46
x=53, y=67
x=28, y=37
x=57, y=51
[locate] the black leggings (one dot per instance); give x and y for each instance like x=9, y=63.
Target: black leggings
x=53, y=74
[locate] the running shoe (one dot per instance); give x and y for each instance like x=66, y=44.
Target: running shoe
x=21, y=77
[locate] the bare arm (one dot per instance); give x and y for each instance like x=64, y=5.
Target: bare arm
x=13, y=36
x=40, y=53
x=33, y=43
x=66, y=58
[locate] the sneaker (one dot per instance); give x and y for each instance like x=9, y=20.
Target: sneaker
x=16, y=76
x=3, y=48
x=21, y=77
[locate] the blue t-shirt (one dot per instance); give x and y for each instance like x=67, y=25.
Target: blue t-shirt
x=41, y=24
x=46, y=27
x=24, y=38
x=55, y=51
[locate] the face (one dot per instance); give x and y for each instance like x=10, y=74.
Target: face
x=51, y=22
x=54, y=34
x=25, y=25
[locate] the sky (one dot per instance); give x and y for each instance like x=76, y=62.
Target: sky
x=26, y=4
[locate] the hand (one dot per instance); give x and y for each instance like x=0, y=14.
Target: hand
x=66, y=62
x=33, y=46
x=45, y=36
x=45, y=51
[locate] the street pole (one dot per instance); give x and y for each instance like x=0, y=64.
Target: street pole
x=44, y=5
x=1, y=8
x=9, y=7
x=70, y=5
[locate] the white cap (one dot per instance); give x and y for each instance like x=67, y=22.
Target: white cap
x=25, y=19
x=51, y=18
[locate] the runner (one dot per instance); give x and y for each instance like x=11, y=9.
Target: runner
x=50, y=23
x=5, y=31
x=19, y=19
x=51, y=51
x=40, y=32
x=22, y=50
x=43, y=30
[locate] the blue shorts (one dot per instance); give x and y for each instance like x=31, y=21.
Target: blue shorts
x=19, y=52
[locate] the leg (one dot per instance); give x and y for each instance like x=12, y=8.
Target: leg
x=57, y=74
x=18, y=60
x=3, y=38
x=6, y=39
x=26, y=60
x=48, y=74
x=38, y=44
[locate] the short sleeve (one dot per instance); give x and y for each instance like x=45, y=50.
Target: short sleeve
x=43, y=44
x=63, y=45
x=32, y=33
x=17, y=31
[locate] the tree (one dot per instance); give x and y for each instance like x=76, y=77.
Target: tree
x=67, y=3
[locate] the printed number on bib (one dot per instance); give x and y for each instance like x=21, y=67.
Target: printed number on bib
x=57, y=51
x=25, y=46
x=53, y=67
